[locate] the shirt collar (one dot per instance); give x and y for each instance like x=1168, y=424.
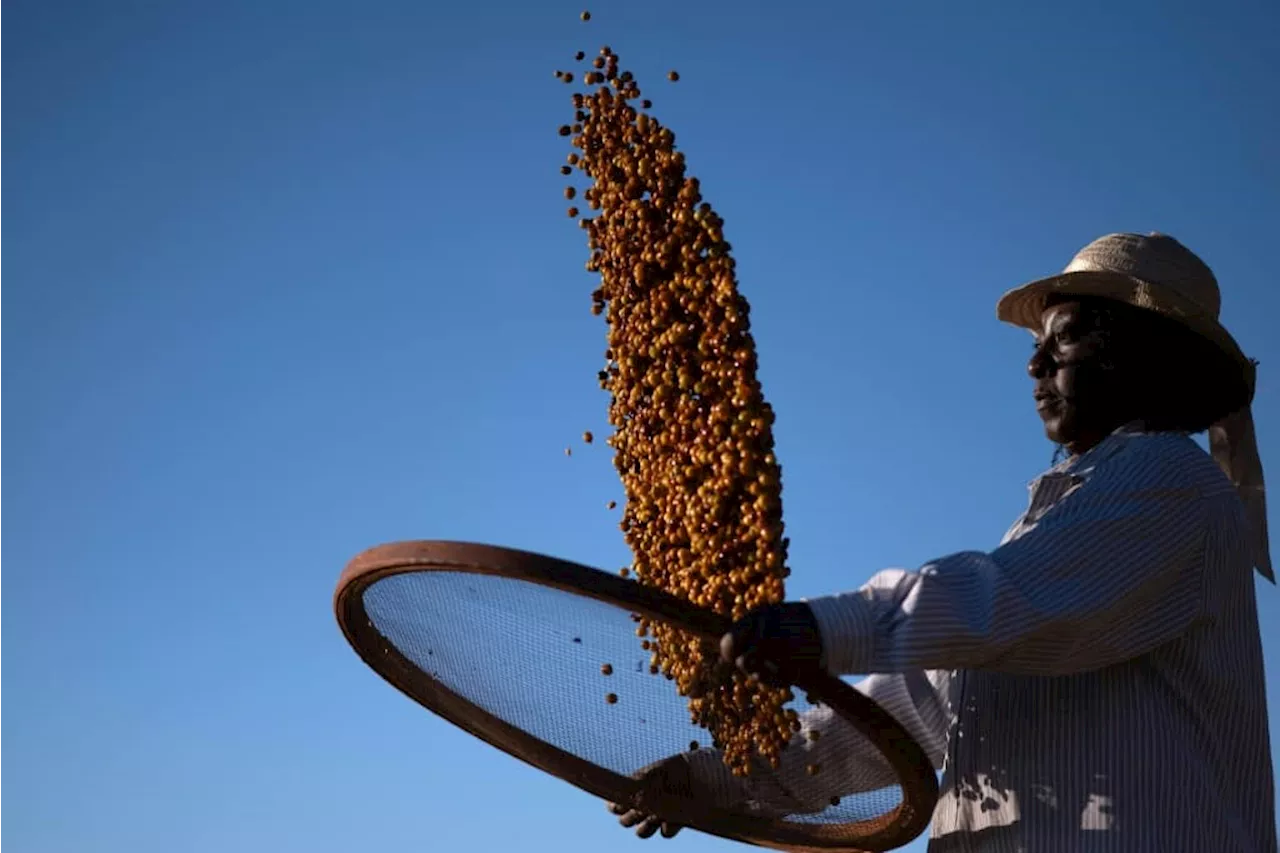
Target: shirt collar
x=1081, y=465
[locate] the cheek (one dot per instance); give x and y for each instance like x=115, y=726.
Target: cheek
x=1065, y=381
x=1086, y=385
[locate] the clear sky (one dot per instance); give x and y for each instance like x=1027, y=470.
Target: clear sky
x=288, y=279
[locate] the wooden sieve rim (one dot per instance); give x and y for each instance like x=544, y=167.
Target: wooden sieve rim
x=909, y=762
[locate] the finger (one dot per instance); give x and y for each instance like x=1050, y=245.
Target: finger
x=617, y=808
x=741, y=638
x=772, y=675
x=669, y=830
x=631, y=818
x=728, y=647
x=749, y=662
x=648, y=827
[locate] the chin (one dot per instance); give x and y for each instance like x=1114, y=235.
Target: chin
x=1054, y=432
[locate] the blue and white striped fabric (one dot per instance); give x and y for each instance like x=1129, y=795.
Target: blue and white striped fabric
x=1094, y=684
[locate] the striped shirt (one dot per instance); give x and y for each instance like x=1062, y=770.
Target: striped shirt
x=1093, y=684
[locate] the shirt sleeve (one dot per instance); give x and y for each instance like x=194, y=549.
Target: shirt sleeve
x=845, y=761
x=1110, y=572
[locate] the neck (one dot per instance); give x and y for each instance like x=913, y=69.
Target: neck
x=1087, y=442
x=1084, y=445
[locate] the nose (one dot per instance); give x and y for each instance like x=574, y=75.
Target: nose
x=1039, y=365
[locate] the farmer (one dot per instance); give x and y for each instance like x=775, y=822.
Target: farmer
x=1096, y=682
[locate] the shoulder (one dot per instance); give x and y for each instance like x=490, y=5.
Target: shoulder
x=1177, y=473
x=1164, y=460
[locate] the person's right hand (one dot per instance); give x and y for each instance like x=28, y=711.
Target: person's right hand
x=670, y=778
x=779, y=643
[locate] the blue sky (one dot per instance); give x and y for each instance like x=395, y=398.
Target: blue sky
x=285, y=280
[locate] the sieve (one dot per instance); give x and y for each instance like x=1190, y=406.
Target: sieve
x=512, y=647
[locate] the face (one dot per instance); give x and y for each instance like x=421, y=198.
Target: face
x=1078, y=389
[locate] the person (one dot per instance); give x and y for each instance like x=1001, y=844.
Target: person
x=1095, y=683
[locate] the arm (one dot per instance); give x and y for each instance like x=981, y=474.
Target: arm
x=1111, y=572
x=847, y=761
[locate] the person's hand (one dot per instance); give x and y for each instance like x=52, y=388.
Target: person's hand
x=776, y=643
x=668, y=779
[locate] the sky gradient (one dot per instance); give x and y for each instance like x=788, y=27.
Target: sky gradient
x=286, y=280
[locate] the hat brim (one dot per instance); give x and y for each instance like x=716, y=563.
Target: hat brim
x=1023, y=306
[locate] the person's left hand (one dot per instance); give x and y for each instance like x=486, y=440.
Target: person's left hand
x=776, y=643
x=670, y=778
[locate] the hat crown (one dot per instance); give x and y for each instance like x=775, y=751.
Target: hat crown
x=1157, y=261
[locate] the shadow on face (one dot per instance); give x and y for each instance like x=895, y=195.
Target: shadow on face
x=1098, y=365
x=1076, y=375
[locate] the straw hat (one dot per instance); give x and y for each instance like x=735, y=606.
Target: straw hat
x=1157, y=273
x=1151, y=271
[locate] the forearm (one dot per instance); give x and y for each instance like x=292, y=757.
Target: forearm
x=838, y=762
x=1086, y=589
x=829, y=757
x=965, y=621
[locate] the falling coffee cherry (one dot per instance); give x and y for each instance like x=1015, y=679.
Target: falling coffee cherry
x=657, y=437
